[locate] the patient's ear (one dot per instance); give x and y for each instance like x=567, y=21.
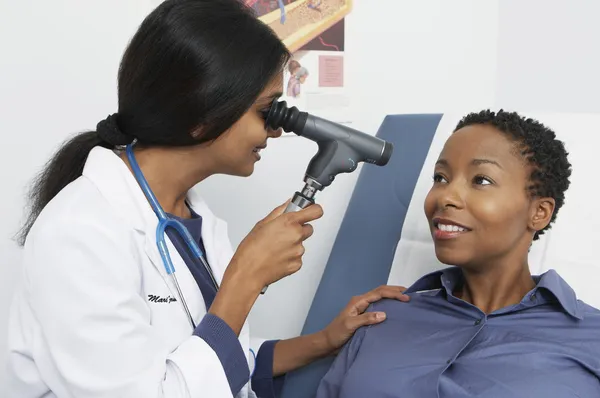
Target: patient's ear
x=541, y=213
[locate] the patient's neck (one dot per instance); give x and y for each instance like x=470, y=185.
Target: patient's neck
x=495, y=287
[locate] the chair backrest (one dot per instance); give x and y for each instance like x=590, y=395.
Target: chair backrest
x=383, y=237
x=375, y=218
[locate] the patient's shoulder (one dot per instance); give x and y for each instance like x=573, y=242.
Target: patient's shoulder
x=590, y=314
x=588, y=309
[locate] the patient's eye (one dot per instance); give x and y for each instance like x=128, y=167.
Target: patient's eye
x=482, y=180
x=437, y=178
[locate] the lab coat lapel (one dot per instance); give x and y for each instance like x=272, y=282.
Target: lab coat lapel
x=120, y=188
x=187, y=283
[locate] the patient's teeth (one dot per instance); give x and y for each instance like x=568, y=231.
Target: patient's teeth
x=450, y=228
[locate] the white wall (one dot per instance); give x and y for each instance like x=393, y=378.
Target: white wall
x=548, y=55
x=59, y=62
x=58, y=69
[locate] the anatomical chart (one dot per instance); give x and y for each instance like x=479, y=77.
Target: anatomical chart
x=314, y=31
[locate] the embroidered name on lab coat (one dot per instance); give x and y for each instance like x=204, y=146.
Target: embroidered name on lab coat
x=157, y=299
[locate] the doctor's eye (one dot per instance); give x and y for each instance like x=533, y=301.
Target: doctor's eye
x=437, y=178
x=264, y=113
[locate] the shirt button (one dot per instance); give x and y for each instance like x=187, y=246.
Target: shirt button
x=533, y=297
x=477, y=322
x=449, y=361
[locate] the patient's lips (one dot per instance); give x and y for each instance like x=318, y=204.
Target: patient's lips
x=444, y=229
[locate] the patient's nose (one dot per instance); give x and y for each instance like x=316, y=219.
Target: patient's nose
x=451, y=197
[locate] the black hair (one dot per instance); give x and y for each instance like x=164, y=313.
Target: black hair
x=539, y=147
x=192, y=66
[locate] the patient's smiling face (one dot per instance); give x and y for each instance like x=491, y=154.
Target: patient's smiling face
x=479, y=209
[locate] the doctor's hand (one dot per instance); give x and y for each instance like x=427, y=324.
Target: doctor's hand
x=271, y=251
x=353, y=316
x=274, y=247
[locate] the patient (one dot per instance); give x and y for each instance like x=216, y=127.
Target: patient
x=483, y=327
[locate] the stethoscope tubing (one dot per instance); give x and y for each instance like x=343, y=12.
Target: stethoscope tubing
x=165, y=222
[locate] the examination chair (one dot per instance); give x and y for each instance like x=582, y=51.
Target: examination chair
x=384, y=237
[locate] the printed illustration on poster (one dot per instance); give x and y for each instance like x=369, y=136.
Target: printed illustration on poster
x=314, y=31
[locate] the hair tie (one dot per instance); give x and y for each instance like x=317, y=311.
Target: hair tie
x=109, y=132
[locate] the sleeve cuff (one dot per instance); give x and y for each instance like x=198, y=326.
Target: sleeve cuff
x=264, y=384
x=221, y=338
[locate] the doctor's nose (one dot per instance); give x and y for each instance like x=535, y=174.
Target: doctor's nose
x=274, y=133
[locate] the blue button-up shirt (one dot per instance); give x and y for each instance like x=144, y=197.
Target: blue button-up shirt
x=437, y=345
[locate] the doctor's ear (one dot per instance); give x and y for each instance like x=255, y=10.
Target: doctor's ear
x=541, y=213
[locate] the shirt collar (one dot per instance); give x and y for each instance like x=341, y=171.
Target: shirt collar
x=194, y=219
x=549, y=281
x=552, y=282
x=431, y=281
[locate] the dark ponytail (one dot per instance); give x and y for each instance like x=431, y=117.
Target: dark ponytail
x=191, y=64
x=66, y=166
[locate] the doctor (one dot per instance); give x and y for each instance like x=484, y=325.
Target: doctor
x=130, y=285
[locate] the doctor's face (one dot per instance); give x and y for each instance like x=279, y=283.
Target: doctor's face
x=238, y=149
x=479, y=209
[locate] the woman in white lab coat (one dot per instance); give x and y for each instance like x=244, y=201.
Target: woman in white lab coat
x=97, y=314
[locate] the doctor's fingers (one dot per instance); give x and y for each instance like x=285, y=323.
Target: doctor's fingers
x=310, y=213
x=301, y=232
x=307, y=231
x=276, y=212
x=368, y=318
x=359, y=304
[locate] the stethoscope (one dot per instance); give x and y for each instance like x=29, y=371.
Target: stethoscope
x=163, y=223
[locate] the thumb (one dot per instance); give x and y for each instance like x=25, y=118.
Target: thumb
x=368, y=318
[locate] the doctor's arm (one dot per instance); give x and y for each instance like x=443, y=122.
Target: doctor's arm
x=300, y=351
x=277, y=357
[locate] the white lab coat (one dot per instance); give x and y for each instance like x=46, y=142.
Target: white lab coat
x=81, y=324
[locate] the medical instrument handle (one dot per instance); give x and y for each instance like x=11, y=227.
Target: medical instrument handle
x=299, y=201
x=292, y=207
